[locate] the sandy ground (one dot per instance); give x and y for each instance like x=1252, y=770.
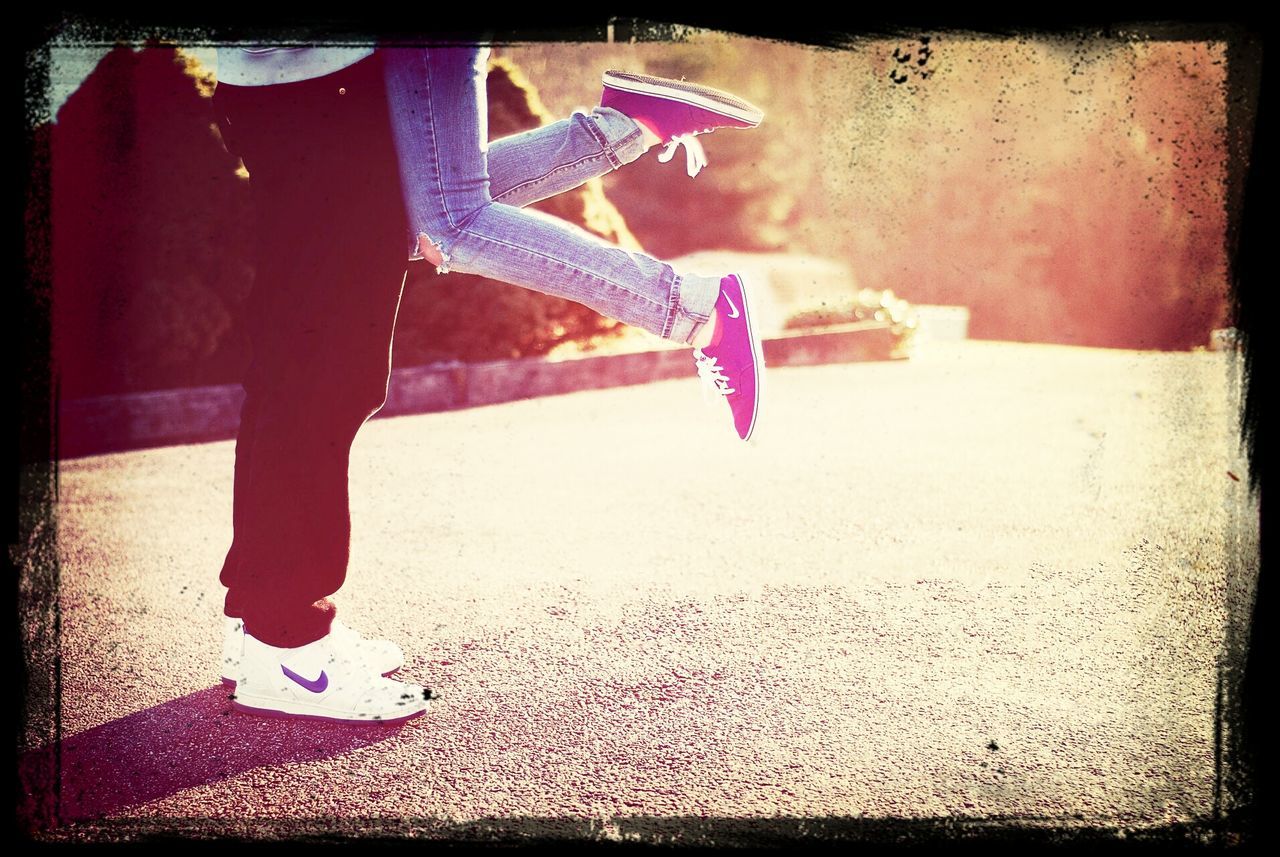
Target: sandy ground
x=989, y=582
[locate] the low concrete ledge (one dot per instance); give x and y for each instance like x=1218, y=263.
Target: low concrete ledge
x=425, y=389
x=939, y=323
x=141, y=420
x=840, y=343
x=203, y=414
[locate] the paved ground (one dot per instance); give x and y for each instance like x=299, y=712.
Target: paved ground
x=987, y=582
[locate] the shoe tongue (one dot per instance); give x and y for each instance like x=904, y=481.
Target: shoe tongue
x=317, y=654
x=717, y=335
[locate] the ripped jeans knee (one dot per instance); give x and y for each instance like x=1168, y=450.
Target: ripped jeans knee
x=429, y=246
x=432, y=252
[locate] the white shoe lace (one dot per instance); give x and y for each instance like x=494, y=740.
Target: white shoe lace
x=695, y=155
x=711, y=374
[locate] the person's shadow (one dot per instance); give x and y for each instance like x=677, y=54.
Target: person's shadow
x=191, y=741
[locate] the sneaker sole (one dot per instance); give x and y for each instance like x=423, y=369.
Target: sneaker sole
x=314, y=713
x=694, y=95
x=757, y=351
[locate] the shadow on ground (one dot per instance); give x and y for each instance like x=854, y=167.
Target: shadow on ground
x=192, y=741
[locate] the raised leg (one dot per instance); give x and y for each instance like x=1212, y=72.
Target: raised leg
x=438, y=109
x=535, y=165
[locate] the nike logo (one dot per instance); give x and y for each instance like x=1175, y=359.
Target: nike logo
x=316, y=686
x=733, y=314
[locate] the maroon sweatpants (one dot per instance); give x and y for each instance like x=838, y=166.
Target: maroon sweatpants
x=330, y=261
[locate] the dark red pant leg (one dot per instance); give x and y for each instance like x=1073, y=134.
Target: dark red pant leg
x=330, y=267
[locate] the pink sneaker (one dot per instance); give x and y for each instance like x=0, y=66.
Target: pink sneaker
x=677, y=111
x=733, y=364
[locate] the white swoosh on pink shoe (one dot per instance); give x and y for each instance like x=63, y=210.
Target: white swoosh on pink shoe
x=735, y=312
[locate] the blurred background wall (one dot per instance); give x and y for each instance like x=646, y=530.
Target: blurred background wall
x=1066, y=190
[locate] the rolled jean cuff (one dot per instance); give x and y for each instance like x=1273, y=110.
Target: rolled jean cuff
x=618, y=135
x=693, y=299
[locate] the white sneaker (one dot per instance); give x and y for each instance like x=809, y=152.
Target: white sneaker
x=382, y=656
x=320, y=681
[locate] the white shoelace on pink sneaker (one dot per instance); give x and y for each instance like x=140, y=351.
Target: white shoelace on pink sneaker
x=695, y=155
x=711, y=374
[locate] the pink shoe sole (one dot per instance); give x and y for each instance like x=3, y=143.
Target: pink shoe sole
x=721, y=109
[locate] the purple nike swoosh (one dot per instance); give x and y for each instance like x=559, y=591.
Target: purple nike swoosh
x=316, y=686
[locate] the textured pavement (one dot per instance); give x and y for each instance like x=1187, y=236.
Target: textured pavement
x=990, y=582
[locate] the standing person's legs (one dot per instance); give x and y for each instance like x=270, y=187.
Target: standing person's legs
x=330, y=268
x=438, y=109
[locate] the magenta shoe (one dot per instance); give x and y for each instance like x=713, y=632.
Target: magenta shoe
x=733, y=365
x=677, y=110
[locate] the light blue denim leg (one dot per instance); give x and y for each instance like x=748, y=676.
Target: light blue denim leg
x=534, y=165
x=439, y=114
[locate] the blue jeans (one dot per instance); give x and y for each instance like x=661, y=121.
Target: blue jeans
x=465, y=197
